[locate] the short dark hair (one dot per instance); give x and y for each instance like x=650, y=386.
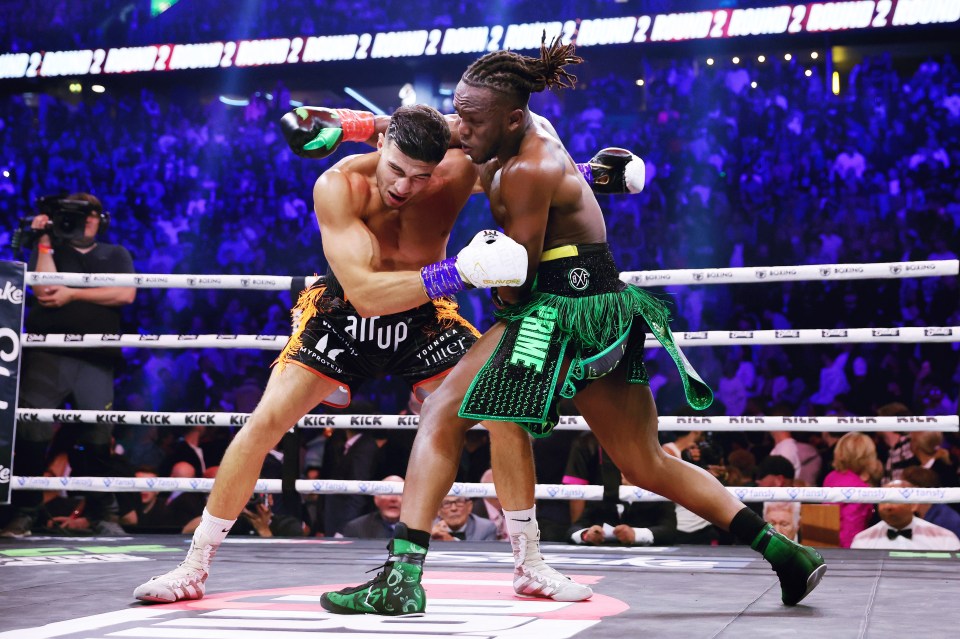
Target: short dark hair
x=420, y=132
x=775, y=465
x=921, y=477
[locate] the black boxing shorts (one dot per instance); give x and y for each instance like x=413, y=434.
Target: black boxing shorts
x=332, y=340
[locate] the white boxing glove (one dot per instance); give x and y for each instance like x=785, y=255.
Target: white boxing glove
x=492, y=259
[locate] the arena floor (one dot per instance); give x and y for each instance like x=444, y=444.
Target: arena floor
x=81, y=588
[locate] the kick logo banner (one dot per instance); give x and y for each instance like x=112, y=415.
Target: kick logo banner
x=12, y=277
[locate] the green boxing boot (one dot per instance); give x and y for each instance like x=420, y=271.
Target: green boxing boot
x=396, y=589
x=800, y=568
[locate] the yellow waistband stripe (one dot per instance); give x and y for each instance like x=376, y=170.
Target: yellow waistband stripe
x=569, y=250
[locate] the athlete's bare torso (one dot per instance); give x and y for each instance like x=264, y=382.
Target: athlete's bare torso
x=415, y=234
x=574, y=215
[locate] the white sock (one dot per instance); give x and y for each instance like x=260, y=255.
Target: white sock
x=520, y=521
x=212, y=530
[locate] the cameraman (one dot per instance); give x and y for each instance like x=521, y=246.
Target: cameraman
x=67, y=243
x=691, y=447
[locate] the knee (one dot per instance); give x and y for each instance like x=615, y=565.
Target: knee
x=648, y=472
x=273, y=415
x=440, y=416
x=262, y=429
x=436, y=409
x=508, y=434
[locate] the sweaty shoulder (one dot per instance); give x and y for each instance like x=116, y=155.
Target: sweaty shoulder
x=545, y=124
x=456, y=167
x=353, y=167
x=346, y=185
x=542, y=159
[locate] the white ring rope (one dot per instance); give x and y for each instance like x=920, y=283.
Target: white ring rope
x=543, y=491
x=671, y=277
x=818, y=336
x=822, y=272
x=133, y=340
x=941, y=423
x=159, y=280
x=800, y=273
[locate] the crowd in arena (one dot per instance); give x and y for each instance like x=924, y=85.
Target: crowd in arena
x=748, y=164
x=121, y=23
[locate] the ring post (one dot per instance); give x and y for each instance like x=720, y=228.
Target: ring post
x=12, y=278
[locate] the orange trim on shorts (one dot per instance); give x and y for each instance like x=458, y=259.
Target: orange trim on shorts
x=448, y=314
x=307, y=304
x=326, y=377
x=430, y=379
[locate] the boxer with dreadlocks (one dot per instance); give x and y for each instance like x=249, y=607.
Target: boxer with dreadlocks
x=572, y=330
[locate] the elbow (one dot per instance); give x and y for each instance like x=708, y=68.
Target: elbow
x=128, y=296
x=364, y=302
x=365, y=308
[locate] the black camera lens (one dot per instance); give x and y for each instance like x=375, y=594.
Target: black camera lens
x=69, y=225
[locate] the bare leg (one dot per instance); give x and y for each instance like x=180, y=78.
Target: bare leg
x=511, y=456
x=624, y=418
x=431, y=470
x=436, y=450
x=433, y=467
x=290, y=394
x=430, y=473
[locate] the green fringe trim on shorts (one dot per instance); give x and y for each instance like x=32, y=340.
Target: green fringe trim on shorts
x=595, y=321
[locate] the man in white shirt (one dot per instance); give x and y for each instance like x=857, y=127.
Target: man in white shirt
x=786, y=446
x=899, y=529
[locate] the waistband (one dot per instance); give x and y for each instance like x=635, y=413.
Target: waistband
x=578, y=270
x=573, y=250
x=335, y=297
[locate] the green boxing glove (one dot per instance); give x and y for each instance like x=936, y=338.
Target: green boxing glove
x=316, y=132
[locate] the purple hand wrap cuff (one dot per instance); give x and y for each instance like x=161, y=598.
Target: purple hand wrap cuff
x=587, y=171
x=441, y=279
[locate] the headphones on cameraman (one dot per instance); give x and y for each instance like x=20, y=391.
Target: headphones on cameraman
x=104, y=222
x=103, y=215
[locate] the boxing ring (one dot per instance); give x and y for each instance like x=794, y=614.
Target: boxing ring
x=81, y=587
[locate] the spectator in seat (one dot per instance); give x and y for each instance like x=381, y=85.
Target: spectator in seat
x=490, y=508
x=627, y=523
x=939, y=514
x=926, y=446
x=456, y=522
x=856, y=465
x=258, y=518
x=380, y=523
x=775, y=472
x=784, y=516
x=900, y=529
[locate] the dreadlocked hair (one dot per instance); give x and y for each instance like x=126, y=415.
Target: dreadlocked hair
x=519, y=75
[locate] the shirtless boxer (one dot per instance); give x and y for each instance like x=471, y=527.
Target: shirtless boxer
x=385, y=218
x=573, y=330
